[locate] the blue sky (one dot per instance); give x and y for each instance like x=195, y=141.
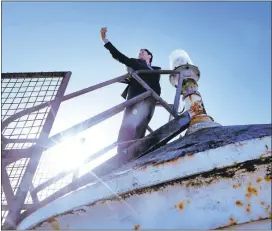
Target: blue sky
x=230, y=42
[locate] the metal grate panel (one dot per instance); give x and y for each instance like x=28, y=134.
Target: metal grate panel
x=21, y=91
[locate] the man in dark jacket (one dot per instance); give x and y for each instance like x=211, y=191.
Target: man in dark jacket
x=137, y=116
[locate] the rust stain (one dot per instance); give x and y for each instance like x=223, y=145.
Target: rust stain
x=267, y=178
x=197, y=119
x=236, y=185
x=259, y=179
x=232, y=221
x=174, y=162
x=197, y=108
x=136, y=227
x=239, y=203
x=248, y=208
x=180, y=205
x=260, y=218
x=262, y=203
x=190, y=155
x=247, y=195
x=251, y=191
x=53, y=222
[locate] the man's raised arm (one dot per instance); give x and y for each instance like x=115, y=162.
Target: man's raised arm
x=115, y=53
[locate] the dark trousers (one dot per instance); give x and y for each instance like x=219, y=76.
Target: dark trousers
x=135, y=122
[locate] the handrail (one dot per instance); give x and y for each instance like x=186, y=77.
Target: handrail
x=154, y=94
x=87, y=90
x=95, y=119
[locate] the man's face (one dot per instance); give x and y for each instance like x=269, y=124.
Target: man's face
x=144, y=55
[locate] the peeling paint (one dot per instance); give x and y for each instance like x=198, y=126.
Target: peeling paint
x=259, y=179
x=136, y=227
x=197, y=181
x=180, y=205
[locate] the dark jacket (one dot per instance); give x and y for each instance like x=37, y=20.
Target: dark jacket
x=134, y=88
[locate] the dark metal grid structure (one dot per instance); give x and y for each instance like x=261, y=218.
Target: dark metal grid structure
x=21, y=92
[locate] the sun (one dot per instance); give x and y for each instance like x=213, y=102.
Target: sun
x=71, y=152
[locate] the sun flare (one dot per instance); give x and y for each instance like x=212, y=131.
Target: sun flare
x=71, y=152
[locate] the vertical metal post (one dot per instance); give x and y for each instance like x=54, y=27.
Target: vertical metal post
x=19, y=199
x=194, y=104
x=177, y=96
x=7, y=186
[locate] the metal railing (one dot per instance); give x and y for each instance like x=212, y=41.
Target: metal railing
x=74, y=130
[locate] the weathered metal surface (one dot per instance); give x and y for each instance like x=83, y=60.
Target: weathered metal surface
x=195, y=106
x=206, y=139
x=203, y=140
x=206, y=201
x=238, y=160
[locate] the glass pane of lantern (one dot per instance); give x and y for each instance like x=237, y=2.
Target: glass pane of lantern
x=178, y=58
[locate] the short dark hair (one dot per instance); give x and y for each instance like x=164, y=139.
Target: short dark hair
x=149, y=53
